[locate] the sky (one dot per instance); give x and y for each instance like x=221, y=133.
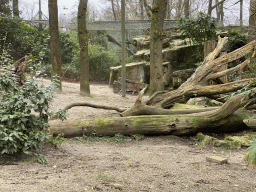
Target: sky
x=68, y=9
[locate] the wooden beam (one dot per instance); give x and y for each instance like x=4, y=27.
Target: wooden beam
x=116, y=25
x=129, y=24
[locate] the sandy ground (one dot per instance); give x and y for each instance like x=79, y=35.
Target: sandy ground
x=162, y=163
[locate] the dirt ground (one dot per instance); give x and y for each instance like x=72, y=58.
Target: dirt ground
x=160, y=163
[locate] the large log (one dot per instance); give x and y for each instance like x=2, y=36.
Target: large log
x=147, y=125
x=208, y=70
x=228, y=114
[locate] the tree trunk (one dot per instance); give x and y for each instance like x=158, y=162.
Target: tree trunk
x=178, y=9
x=210, y=8
x=209, y=47
x=113, y=9
x=158, y=119
x=228, y=114
x=141, y=10
x=168, y=10
x=148, y=125
x=83, y=42
x=221, y=15
x=15, y=7
x=156, y=35
x=54, y=42
x=252, y=21
x=148, y=9
x=186, y=8
x=217, y=11
x=241, y=14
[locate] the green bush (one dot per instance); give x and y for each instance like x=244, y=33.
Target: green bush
x=24, y=113
x=21, y=38
x=17, y=37
x=66, y=46
x=251, y=155
x=199, y=29
x=100, y=61
x=236, y=39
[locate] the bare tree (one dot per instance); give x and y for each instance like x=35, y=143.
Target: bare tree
x=156, y=32
x=252, y=21
x=186, y=8
x=148, y=9
x=83, y=42
x=179, y=9
x=54, y=42
x=15, y=8
x=241, y=13
x=141, y=10
x=211, y=8
x=113, y=8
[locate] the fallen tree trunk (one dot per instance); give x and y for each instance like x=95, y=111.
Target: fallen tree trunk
x=159, y=119
x=196, y=85
x=146, y=125
x=228, y=114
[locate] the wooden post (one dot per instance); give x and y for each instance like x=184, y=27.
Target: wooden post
x=209, y=47
x=224, y=79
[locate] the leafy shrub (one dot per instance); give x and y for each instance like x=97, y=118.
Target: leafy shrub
x=198, y=29
x=23, y=113
x=66, y=46
x=250, y=70
x=100, y=62
x=58, y=140
x=236, y=39
x=21, y=38
x=251, y=155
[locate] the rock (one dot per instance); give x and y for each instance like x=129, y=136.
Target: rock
x=217, y=159
x=201, y=101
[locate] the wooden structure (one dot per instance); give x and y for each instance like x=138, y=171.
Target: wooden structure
x=115, y=25
x=209, y=47
x=129, y=25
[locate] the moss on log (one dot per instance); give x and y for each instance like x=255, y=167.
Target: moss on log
x=147, y=125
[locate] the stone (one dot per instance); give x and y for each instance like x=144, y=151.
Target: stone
x=217, y=159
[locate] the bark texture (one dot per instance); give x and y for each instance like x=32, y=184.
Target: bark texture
x=155, y=117
x=156, y=35
x=54, y=42
x=228, y=114
x=83, y=42
x=196, y=85
x=15, y=7
x=252, y=21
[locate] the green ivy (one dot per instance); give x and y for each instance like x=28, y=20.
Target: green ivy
x=24, y=113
